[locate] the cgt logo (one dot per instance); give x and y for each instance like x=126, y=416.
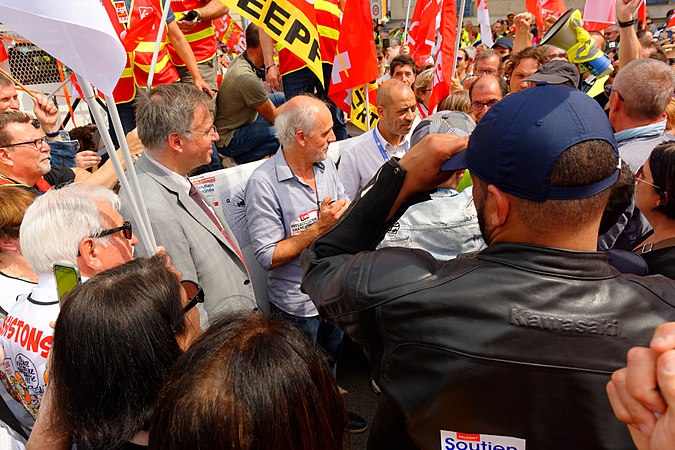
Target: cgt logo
x=454, y=440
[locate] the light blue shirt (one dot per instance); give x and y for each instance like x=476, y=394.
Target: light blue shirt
x=279, y=206
x=445, y=226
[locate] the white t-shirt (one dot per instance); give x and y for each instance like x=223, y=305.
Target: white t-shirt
x=10, y=288
x=27, y=338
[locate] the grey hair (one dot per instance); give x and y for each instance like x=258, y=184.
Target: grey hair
x=5, y=82
x=646, y=86
x=295, y=116
x=56, y=222
x=166, y=109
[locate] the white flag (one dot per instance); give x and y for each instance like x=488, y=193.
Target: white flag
x=484, y=22
x=76, y=32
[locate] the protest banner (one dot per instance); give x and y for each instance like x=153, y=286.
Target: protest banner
x=359, y=115
x=292, y=23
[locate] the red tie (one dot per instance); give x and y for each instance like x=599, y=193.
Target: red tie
x=194, y=195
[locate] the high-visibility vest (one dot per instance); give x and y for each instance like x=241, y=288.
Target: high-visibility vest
x=125, y=90
x=328, y=26
x=165, y=71
x=202, y=38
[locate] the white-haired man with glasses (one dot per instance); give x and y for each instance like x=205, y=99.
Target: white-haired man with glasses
x=25, y=158
x=77, y=225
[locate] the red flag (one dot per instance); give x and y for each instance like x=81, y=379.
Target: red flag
x=534, y=6
x=555, y=7
x=230, y=33
x=671, y=22
x=3, y=53
x=642, y=12
x=446, y=55
x=422, y=32
x=356, y=61
x=599, y=14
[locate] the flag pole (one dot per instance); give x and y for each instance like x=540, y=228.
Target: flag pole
x=136, y=192
x=367, y=109
x=458, y=36
x=407, y=17
x=143, y=232
x=155, y=52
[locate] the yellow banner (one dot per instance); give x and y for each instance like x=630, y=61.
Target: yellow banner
x=358, y=114
x=287, y=24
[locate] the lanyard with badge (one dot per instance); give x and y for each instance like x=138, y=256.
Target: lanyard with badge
x=381, y=148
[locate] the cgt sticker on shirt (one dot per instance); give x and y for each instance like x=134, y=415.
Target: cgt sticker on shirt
x=304, y=221
x=455, y=440
x=121, y=10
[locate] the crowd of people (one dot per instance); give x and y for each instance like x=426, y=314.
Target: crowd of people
x=504, y=259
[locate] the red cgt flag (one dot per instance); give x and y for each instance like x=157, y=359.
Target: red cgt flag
x=446, y=55
x=356, y=60
x=555, y=7
x=422, y=33
x=535, y=7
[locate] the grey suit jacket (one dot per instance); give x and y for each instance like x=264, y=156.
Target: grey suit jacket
x=196, y=246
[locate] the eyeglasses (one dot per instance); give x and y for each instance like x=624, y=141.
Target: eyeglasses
x=480, y=72
x=37, y=143
x=609, y=90
x=477, y=106
x=639, y=176
x=195, y=294
x=460, y=58
x=125, y=229
x=205, y=133
x=557, y=55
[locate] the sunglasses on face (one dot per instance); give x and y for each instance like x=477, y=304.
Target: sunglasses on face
x=125, y=229
x=195, y=295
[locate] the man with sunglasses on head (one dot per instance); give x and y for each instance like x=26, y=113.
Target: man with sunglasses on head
x=78, y=225
x=176, y=128
x=25, y=158
x=638, y=97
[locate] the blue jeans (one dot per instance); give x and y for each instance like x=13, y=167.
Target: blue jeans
x=326, y=335
x=255, y=140
x=304, y=80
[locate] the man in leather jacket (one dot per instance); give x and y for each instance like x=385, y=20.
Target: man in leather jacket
x=513, y=346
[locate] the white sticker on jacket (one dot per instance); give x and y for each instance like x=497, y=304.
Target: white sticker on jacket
x=304, y=221
x=455, y=440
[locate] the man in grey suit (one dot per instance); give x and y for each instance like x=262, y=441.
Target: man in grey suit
x=177, y=131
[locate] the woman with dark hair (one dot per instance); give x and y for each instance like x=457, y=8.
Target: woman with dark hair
x=116, y=338
x=655, y=196
x=249, y=383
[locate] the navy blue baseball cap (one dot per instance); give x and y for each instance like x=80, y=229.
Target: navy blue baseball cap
x=518, y=141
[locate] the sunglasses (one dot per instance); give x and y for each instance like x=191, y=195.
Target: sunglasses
x=557, y=55
x=380, y=58
x=639, y=176
x=195, y=295
x=125, y=229
x=460, y=58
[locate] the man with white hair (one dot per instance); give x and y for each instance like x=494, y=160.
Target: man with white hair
x=291, y=199
x=77, y=225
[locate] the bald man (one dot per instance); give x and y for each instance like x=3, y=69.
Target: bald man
x=485, y=92
x=359, y=162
